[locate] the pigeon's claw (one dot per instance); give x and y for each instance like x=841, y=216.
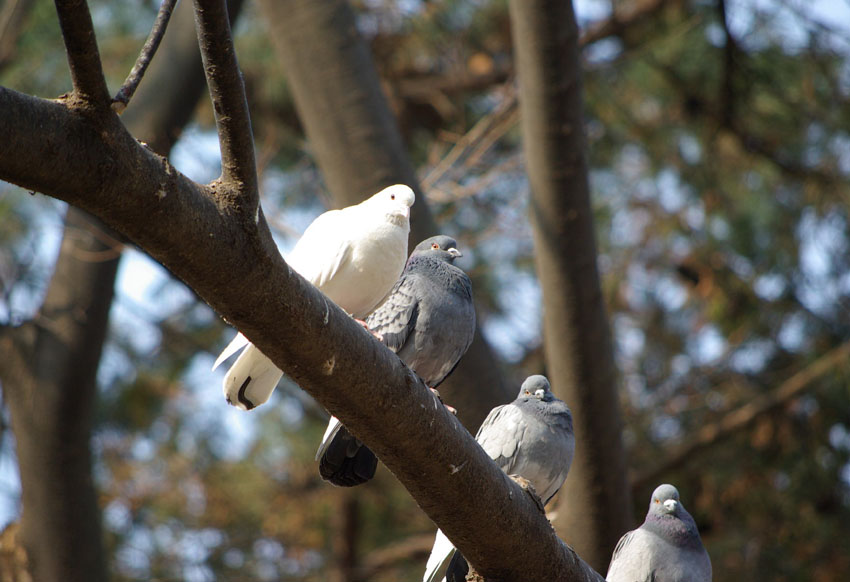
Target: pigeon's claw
x=375, y=334
x=451, y=409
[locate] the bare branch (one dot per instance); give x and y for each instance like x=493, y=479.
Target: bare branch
x=624, y=16
x=745, y=416
x=125, y=93
x=238, y=165
x=83, y=56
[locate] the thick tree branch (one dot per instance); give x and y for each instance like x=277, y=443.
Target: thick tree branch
x=238, y=165
x=178, y=222
x=83, y=56
x=744, y=417
x=577, y=340
x=125, y=93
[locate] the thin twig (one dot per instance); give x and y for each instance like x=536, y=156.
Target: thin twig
x=747, y=414
x=83, y=56
x=238, y=165
x=125, y=93
x=471, y=139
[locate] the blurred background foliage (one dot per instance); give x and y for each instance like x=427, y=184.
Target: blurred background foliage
x=719, y=153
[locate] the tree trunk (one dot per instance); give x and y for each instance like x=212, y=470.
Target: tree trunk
x=50, y=389
x=594, y=504
x=49, y=376
x=356, y=143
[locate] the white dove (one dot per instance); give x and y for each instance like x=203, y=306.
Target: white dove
x=354, y=256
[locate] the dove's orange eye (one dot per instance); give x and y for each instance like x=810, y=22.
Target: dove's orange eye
x=392, y=196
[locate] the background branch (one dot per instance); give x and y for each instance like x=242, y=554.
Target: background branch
x=125, y=93
x=594, y=511
x=744, y=417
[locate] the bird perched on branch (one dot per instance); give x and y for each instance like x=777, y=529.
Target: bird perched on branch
x=352, y=255
x=665, y=548
x=531, y=437
x=428, y=320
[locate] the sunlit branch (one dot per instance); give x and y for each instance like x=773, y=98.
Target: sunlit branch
x=83, y=56
x=125, y=93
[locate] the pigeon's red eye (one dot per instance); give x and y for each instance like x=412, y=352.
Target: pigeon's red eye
x=435, y=246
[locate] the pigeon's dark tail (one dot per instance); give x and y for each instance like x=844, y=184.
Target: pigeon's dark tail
x=458, y=568
x=347, y=462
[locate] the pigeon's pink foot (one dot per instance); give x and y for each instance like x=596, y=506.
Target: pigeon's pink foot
x=375, y=334
x=451, y=409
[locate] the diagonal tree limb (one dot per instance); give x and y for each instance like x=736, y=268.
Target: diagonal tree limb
x=105, y=171
x=83, y=56
x=744, y=416
x=232, y=118
x=125, y=93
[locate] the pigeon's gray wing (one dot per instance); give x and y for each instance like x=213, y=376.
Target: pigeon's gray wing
x=632, y=559
x=444, y=330
x=501, y=433
x=396, y=317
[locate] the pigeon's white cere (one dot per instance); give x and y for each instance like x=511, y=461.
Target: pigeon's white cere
x=353, y=255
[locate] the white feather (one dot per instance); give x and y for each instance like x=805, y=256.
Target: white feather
x=238, y=342
x=440, y=555
x=333, y=427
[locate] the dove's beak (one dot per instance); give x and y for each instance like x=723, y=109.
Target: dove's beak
x=454, y=252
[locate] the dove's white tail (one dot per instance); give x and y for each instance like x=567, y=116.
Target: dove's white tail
x=252, y=378
x=440, y=555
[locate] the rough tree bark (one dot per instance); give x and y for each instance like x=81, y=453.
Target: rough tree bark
x=49, y=373
x=594, y=507
x=356, y=143
x=206, y=236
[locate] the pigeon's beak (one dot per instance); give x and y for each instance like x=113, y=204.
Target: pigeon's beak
x=670, y=505
x=454, y=252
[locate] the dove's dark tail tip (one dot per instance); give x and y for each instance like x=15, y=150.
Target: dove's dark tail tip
x=345, y=471
x=458, y=568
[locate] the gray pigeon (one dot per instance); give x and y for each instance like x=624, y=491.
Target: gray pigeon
x=666, y=548
x=428, y=320
x=532, y=437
